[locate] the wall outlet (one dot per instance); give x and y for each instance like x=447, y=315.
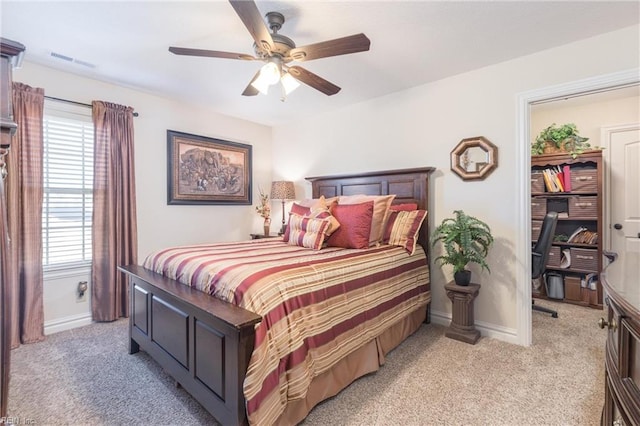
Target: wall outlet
x=81, y=292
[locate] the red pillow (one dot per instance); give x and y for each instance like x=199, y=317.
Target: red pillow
x=297, y=209
x=407, y=207
x=355, y=225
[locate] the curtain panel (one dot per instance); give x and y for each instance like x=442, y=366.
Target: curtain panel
x=24, y=216
x=114, y=230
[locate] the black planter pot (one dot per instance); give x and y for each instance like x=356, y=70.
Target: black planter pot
x=462, y=277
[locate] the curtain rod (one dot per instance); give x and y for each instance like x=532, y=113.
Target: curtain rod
x=135, y=114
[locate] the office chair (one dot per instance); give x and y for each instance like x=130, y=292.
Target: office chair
x=540, y=254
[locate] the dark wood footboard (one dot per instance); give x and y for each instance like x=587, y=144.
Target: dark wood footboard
x=204, y=343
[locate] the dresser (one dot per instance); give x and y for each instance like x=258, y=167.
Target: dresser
x=622, y=354
x=10, y=54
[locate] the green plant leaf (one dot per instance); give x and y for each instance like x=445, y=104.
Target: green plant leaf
x=465, y=239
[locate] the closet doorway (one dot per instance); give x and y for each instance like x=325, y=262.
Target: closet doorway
x=525, y=102
x=610, y=120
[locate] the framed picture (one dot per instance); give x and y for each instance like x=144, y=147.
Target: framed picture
x=203, y=170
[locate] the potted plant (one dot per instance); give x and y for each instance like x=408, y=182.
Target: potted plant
x=564, y=138
x=466, y=239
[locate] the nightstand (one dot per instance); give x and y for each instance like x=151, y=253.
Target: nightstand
x=261, y=236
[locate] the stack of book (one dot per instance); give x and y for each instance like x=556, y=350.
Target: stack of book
x=583, y=236
x=557, y=179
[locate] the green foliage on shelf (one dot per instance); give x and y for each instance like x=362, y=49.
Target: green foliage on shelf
x=564, y=138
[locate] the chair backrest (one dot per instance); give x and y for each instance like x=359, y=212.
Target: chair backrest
x=540, y=252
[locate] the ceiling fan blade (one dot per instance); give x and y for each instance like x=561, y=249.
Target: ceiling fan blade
x=252, y=19
x=339, y=46
x=250, y=90
x=313, y=80
x=210, y=53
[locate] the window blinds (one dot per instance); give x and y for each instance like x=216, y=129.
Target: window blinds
x=68, y=185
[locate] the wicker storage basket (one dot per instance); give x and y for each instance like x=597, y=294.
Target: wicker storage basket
x=572, y=290
x=537, y=182
x=584, y=180
x=583, y=207
x=584, y=259
x=551, y=148
x=538, y=207
x=553, y=261
x=536, y=226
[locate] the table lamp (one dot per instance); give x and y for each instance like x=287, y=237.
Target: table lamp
x=282, y=190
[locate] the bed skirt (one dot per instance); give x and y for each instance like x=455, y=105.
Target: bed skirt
x=361, y=362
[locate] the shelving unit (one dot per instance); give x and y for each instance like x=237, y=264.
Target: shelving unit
x=579, y=207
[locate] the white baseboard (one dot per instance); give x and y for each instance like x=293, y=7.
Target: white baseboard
x=505, y=334
x=67, y=323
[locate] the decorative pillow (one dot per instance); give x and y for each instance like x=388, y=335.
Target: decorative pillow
x=355, y=225
x=381, y=204
x=402, y=228
x=307, y=232
x=297, y=209
x=406, y=207
x=321, y=213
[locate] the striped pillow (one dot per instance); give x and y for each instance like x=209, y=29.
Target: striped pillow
x=307, y=232
x=402, y=228
x=323, y=213
x=297, y=209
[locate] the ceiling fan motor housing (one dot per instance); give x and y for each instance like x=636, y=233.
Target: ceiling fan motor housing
x=283, y=44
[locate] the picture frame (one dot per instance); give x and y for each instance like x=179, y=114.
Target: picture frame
x=204, y=170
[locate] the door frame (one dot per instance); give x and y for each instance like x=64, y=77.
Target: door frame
x=523, y=181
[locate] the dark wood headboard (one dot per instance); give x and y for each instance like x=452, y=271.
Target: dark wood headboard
x=409, y=186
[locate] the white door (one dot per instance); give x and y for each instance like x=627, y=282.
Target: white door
x=623, y=209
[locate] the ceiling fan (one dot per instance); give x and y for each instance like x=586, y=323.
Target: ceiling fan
x=277, y=51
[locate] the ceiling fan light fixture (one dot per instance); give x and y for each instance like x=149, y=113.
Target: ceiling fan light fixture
x=261, y=85
x=289, y=84
x=270, y=73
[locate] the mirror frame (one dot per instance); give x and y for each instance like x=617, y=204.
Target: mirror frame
x=482, y=143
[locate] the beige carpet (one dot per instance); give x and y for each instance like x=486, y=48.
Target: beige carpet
x=432, y=379
x=85, y=376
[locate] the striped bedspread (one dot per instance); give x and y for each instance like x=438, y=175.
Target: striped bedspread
x=317, y=306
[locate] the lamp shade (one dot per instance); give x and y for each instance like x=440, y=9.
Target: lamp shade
x=282, y=190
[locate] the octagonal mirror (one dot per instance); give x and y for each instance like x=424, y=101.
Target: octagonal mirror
x=474, y=158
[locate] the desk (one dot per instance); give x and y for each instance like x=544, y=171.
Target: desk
x=622, y=358
x=462, y=324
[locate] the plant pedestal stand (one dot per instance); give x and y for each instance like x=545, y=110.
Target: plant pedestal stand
x=462, y=327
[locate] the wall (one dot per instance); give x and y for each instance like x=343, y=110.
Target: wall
x=159, y=225
x=420, y=127
x=412, y=128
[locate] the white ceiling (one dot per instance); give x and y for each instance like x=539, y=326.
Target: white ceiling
x=412, y=43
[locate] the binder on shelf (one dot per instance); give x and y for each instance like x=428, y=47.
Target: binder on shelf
x=566, y=170
x=560, y=178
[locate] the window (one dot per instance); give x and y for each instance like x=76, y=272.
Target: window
x=68, y=186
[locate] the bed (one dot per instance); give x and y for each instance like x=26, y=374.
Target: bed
x=214, y=346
